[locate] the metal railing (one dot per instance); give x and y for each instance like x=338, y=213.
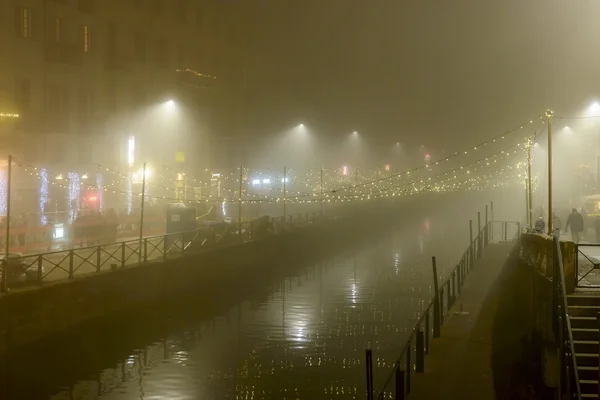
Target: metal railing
x=544, y=254
x=429, y=324
x=36, y=269
x=587, y=261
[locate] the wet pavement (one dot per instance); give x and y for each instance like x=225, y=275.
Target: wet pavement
x=299, y=334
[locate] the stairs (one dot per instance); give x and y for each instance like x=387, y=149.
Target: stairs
x=583, y=309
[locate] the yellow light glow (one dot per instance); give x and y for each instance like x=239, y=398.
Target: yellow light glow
x=8, y=115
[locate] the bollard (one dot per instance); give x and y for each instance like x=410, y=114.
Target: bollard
x=436, y=302
x=427, y=332
x=399, y=383
x=369, y=364
x=420, y=361
x=408, y=367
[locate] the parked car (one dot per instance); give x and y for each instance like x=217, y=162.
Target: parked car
x=20, y=271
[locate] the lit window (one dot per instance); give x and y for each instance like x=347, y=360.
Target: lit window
x=24, y=23
x=86, y=39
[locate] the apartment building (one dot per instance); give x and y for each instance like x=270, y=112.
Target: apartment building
x=80, y=77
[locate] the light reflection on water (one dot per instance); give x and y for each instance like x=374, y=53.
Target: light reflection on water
x=306, y=340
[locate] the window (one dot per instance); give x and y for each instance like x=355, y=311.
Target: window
x=139, y=43
x=57, y=29
x=86, y=39
x=23, y=93
x=23, y=22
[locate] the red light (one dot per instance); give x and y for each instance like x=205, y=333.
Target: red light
x=428, y=156
x=92, y=199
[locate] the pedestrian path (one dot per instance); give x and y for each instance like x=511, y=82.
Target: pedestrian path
x=459, y=363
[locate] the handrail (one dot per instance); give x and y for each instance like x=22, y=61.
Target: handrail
x=451, y=285
x=93, y=258
x=561, y=287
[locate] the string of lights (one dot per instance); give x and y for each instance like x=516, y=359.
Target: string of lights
x=444, y=159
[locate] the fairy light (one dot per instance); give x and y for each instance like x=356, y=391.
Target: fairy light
x=43, y=195
x=74, y=195
x=100, y=191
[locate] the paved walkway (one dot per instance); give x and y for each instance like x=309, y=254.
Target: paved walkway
x=459, y=364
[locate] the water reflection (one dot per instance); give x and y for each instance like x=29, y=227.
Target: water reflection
x=301, y=336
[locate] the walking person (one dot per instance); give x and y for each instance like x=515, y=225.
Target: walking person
x=575, y=221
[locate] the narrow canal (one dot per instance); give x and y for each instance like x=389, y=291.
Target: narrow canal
x=299, y=335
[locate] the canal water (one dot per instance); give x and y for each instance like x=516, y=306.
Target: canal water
x=299, y=335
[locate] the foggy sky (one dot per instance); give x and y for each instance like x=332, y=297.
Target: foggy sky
x=441, y=73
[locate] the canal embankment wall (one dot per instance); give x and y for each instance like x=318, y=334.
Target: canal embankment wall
x=37, y=314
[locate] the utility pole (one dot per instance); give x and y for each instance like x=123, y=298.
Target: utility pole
x=7, y=232
x=142, y=210
x=284, y=195
x=528, y=186
x=549, y=119
x=240, y=202
x=321, y=192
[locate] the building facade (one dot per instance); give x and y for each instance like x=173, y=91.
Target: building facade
x=81, y=77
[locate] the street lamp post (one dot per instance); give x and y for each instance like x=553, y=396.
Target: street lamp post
x=549, y=120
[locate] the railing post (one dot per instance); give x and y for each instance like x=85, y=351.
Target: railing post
x=505, y=229
x=98, y=258
x=454, y=286
x=427, y=331
x=420, y=361
x=165, y=248
x=459, y=276
x=145, y=249
x=400, y=390
x=471, y=247
x=449, y=296
x=122, y=254
x=436, y=301
x=485, y=230
x=70, y=264
x=369, y=365
x=442, y=306
x=408, y=366
x=479, y=238
x=39, y=268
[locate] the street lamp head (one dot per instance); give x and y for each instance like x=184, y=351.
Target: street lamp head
x=596, y=106
x=355, y=133
x=301, y=126
x=170, y=105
